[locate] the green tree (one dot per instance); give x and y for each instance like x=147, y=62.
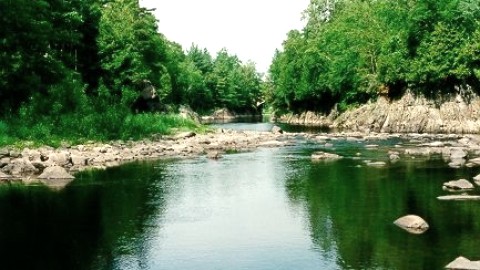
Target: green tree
x=130, y=48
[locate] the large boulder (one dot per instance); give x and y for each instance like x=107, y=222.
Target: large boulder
x=462, y=263
x=462, y=184
x=187, y=113
x=55, y=172
x=223, y=114
x=412, y=224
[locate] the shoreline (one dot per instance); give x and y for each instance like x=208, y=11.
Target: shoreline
x=29, y=166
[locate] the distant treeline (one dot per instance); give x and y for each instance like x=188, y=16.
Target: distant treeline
x=67, y=61
x=351, y=51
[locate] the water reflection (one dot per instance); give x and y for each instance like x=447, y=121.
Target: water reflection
x=233, y=214
x=92, y=224
x=269, y=209
x=351, y=210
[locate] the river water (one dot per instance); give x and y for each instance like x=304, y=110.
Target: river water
x=267, y=209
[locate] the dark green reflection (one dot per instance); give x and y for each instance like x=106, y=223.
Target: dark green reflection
x=351, y=208
x=94, y=223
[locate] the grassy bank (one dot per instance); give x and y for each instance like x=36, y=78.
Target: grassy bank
x=77, y=129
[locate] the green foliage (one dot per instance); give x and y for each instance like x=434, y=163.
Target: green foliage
x=73, y=70
x=351, y=51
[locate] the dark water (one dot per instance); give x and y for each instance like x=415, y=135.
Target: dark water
x=269, y=209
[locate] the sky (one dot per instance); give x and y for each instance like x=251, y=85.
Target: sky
x=251, y=29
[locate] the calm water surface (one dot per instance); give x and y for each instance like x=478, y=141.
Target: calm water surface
x=268, y=209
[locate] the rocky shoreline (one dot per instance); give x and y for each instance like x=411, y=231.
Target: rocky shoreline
x=44, y=164
x=459, y=113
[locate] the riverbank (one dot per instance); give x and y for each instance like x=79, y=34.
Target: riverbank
x=411, y=113
x=30, y=165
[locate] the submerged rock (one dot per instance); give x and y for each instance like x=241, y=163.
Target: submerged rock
x=459, y=198
x=462, y=263
x=376, y=164
x=461, y=184
x=55, y=172
x=394, y=158
x=412, y=224
x=325, y=156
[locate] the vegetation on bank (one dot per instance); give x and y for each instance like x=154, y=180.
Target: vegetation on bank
x=352, y=51
x=74, y=69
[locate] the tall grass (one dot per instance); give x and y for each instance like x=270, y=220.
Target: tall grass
x=74, y=129
x=66, y=114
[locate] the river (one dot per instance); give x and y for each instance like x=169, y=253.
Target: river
x=267, y=209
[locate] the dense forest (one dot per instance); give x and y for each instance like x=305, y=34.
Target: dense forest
x=351, y=51
x=74, y=69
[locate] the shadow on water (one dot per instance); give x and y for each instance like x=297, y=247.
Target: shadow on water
x=100, y=221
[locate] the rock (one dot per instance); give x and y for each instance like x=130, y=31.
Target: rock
x=185, y=135
x=20, y=167
x=459, y=198
x=417, y=151
x=4, y=161
x=31, y=154
x=458, y=154
x=277, y=130
x=55, y=172
x=394, y=158
x=14, y=153
x=78, y=160
x=214, y=155
x=461, y=184
x=60, y=159
x=475, y=161
x=187, y=113
x=325, y=156
x=4, y=152
x=223, y=114
x=376, y=164
x=436, y=144
x=412, y=224
x=477, y=180
x=4, y=176
x=462, y=263
x=370, y=146
x=457, y=163
x=271, y=144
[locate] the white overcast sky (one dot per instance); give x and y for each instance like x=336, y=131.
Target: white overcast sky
x=251, y=29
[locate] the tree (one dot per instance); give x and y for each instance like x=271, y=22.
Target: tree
x=130, y=48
